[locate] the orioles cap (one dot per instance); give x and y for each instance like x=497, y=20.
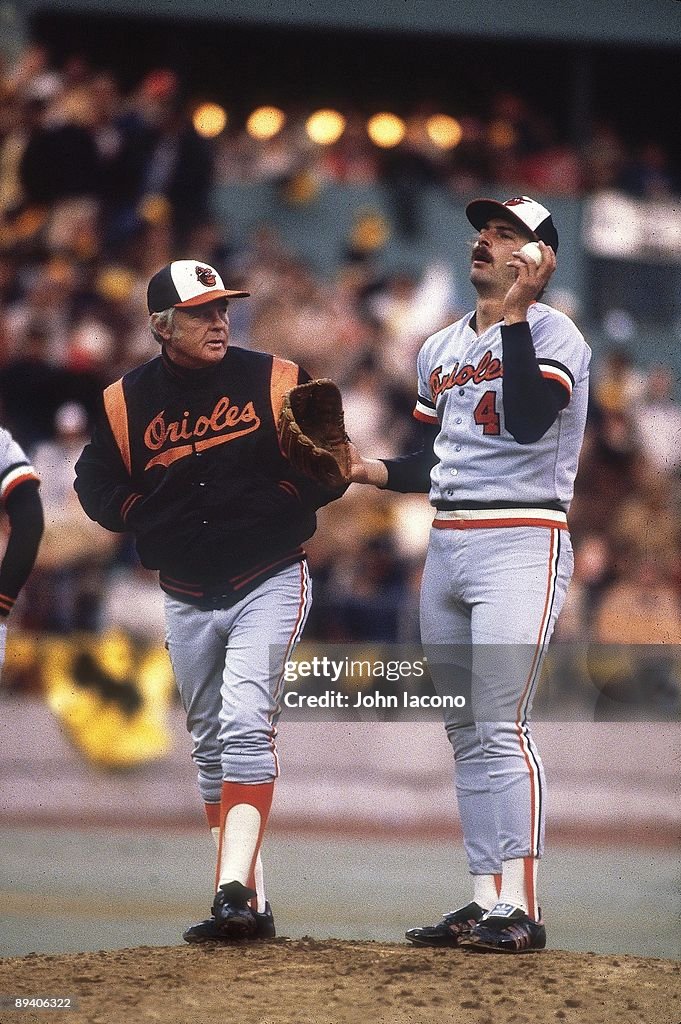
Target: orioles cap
x=528, y=214
x=187, y=283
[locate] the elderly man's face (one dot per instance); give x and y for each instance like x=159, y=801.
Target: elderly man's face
x=199, y=335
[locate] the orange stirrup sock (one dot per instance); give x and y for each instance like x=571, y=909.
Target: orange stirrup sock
x=244, y=810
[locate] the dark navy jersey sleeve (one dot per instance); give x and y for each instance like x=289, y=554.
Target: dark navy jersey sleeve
x=533, y=393
x=410, y=474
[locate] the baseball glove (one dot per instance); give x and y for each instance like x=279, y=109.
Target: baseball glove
x=312, y=434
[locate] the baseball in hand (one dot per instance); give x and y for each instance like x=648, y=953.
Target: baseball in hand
x=532, y=250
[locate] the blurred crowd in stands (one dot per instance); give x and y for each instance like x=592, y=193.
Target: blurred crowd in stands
x=513, y=145
x=98, y=189
x=74, y=134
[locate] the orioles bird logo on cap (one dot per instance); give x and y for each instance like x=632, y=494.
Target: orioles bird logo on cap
x=206, y=277
x=518, y=201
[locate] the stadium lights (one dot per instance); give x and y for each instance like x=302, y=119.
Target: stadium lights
x=209, y=120
x=325, y=126
x=386, y=130
x=444, y=131
x=265, y=122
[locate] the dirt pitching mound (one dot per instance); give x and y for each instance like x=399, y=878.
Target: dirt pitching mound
x=332, y=982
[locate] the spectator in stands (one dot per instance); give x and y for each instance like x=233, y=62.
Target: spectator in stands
x=648, y=522
x=369, y=606
x=69, y=582
x=619, y=383
x=59, y=169
x=608, y=469
x=554, y=168
x=657, y=420
x=408, y=171
x=47, y=295
x=604, y=157
x=648, y=174
x=514, y=134
x=592, y=575
x=122, y=140
x=178, y=162
x=365, y=406
x=352, y=159
x=470, y=165
x=639, y=608
x=89, y=362
x=133, y=604
x=409, y=308
x=31, y=389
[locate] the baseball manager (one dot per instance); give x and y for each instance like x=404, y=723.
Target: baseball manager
x=502, y=396
x=185, y=455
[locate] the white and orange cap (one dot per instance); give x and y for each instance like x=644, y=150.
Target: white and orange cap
x=527, y=213
x=187, y=283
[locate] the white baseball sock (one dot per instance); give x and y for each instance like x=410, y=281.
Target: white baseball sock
x=485, y=890
x=213, y=814
x=519, y=884
x=239, y=844
x=258, y=872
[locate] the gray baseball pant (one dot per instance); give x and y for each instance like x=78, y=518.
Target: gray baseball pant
x=489, y=601
x=229, y=665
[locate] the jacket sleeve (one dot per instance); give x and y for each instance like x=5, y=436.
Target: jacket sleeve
x=102, y=483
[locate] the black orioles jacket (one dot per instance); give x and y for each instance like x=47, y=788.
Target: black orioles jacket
x=188, y=460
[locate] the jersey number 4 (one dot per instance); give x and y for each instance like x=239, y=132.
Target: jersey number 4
x=486, y=415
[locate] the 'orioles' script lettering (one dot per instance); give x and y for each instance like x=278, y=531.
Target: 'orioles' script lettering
x=487, y=369
x=223, y=418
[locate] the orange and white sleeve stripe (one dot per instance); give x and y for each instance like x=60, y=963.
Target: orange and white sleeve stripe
x=14, y=475
x=424, y=410
x=553, y=370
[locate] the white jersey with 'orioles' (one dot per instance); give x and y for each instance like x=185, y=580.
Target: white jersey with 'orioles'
x=483, y=474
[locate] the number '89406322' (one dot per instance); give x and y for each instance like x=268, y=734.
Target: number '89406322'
x=41, y=1003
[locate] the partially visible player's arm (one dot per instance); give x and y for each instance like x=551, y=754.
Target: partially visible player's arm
x=25, y=513
x=407, y=474
x=532, y=400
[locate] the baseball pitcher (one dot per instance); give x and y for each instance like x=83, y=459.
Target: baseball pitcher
x=502, y=396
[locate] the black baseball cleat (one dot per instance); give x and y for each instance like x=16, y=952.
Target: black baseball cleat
x=451, y=930
x=210, y=931
x=509, y=932
x=232, y=919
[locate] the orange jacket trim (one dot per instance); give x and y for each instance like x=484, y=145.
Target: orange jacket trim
x=117, y=415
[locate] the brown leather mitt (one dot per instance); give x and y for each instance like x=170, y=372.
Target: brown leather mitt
x=312, y=434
